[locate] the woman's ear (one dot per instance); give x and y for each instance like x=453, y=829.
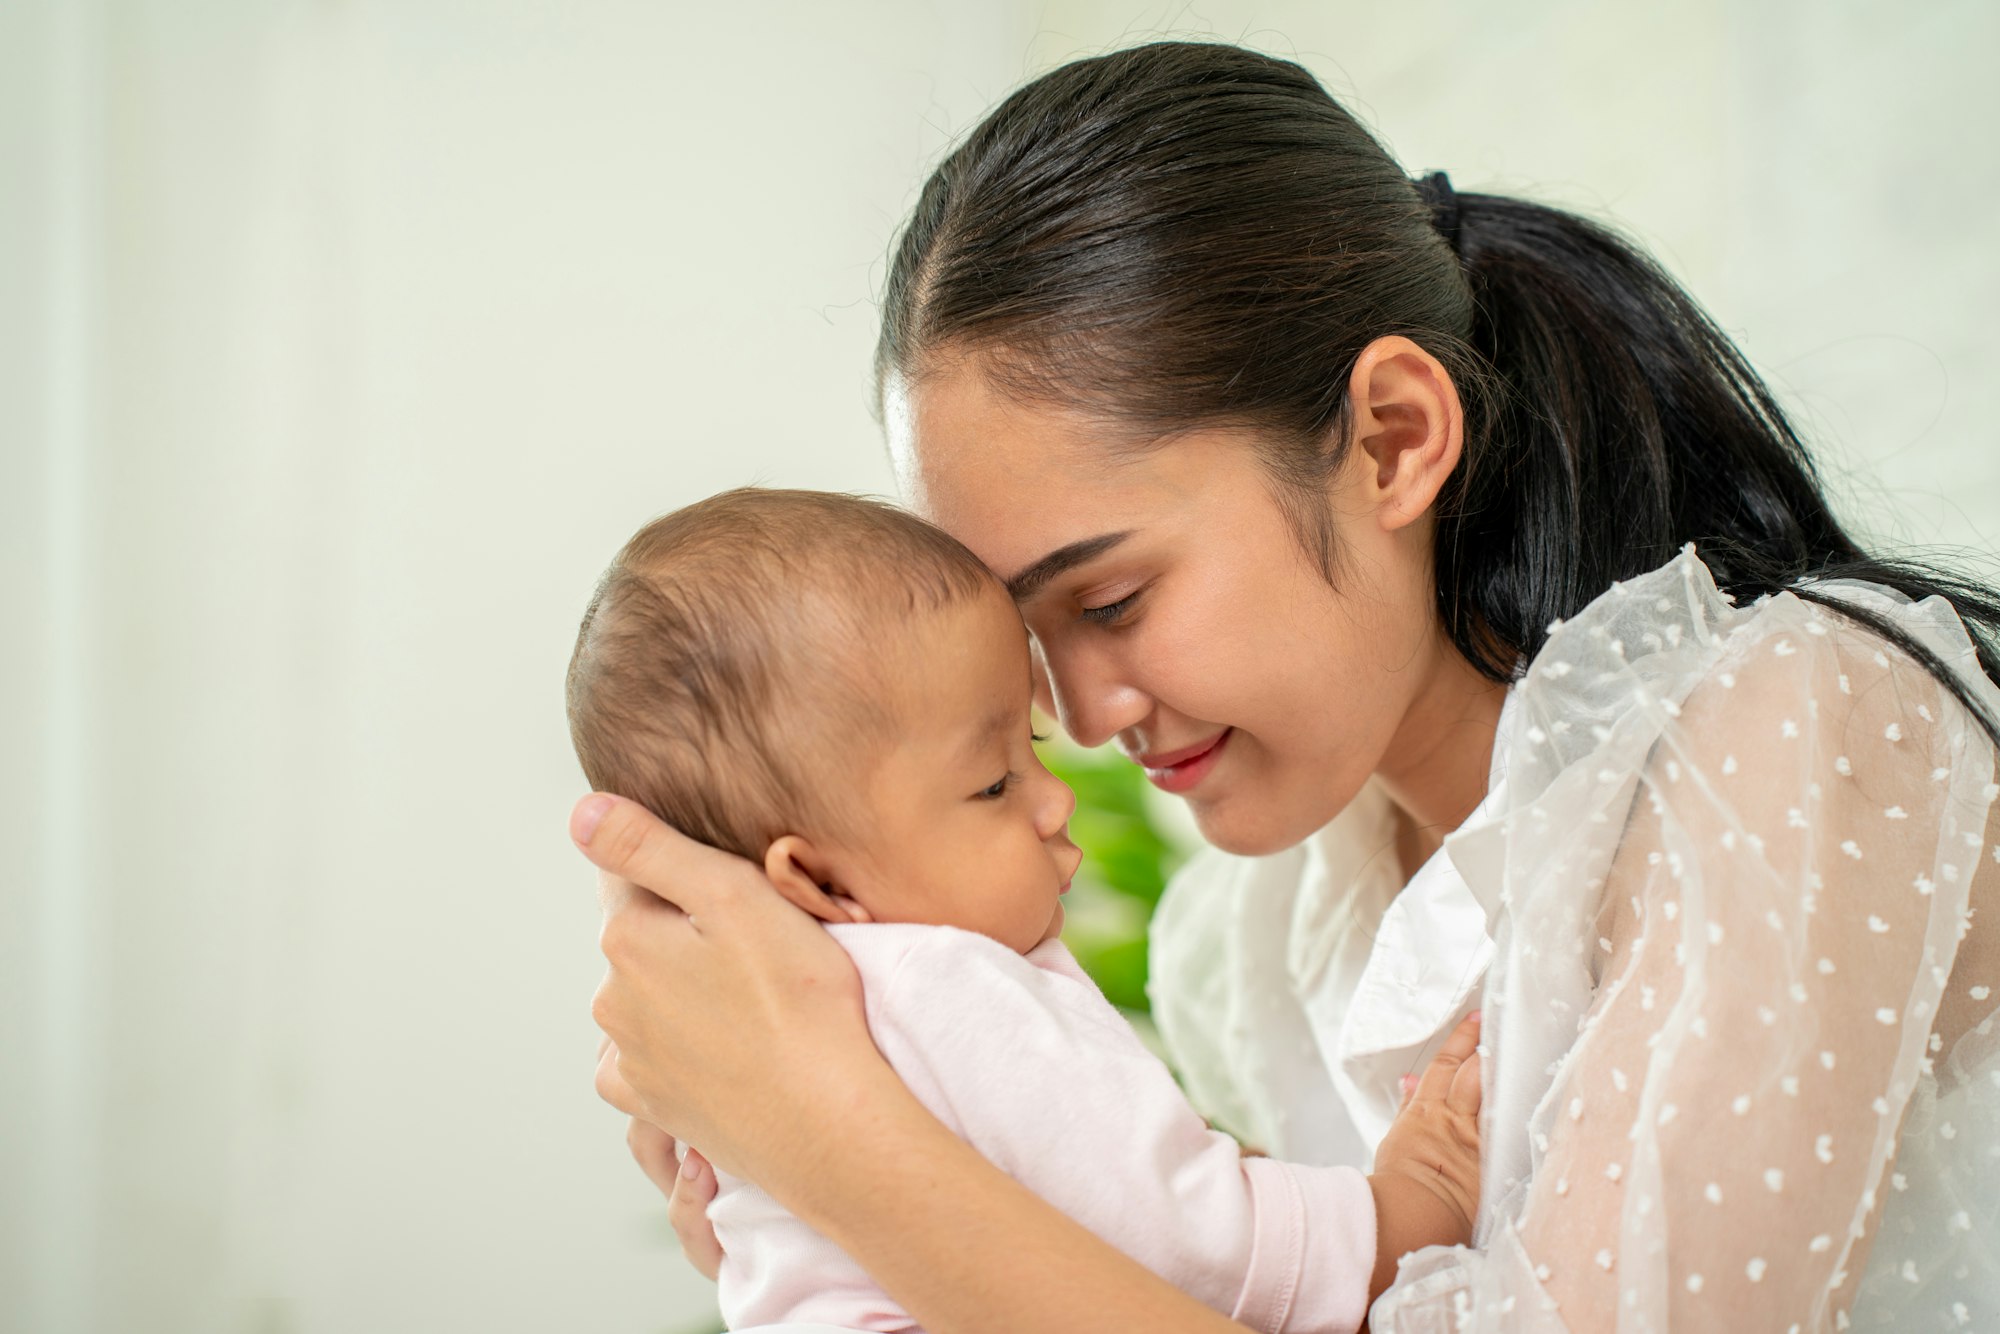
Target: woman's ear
x=1408, y=425
x=801, y=874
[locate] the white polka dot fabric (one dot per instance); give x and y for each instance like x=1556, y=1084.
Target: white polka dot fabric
x=1744, y=1072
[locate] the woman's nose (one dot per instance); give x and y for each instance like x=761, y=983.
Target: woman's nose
x=1089, y=699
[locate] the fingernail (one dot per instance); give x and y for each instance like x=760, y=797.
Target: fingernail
x=1409, y=1082
x=589, y=814
x=1475, y=1016
x=690, y=1167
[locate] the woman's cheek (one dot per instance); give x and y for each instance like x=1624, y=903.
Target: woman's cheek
x=1170, y=664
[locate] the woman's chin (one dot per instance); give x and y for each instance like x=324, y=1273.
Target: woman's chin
x=1243, y=826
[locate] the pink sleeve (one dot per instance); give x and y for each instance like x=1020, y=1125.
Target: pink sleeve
x=1048, y=1081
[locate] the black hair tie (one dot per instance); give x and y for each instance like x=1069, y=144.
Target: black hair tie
x=1443, y=200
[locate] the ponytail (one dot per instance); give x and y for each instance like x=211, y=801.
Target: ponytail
x=1620, y=424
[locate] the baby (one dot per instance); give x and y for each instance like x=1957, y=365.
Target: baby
x=833, y=688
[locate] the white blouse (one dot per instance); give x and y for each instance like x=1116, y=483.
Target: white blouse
x=1721, y=907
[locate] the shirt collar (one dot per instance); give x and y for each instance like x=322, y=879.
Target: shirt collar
x=1432, y=945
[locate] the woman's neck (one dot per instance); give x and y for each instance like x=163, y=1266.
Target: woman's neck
x=1437, y=768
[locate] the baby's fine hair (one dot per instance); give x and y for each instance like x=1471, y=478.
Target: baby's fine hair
x=729, y=650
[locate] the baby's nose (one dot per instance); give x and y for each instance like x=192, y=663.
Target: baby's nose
x=1057, y=807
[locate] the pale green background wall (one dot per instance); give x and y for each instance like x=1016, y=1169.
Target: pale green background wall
x=341, y=342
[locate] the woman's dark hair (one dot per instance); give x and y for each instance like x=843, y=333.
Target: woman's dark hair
x=1192, y=233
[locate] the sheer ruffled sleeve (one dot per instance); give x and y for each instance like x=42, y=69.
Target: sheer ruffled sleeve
x=1744, y=1070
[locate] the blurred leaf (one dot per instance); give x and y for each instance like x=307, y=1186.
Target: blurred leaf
x=1127, y=860
x=1119, y=969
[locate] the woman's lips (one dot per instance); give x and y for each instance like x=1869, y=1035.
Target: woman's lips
x=1180, y=770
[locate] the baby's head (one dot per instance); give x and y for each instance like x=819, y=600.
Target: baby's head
x=836, y=689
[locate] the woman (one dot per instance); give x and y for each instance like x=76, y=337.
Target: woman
x=1361, y=513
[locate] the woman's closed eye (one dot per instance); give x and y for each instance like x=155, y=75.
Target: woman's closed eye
x=1111, y=612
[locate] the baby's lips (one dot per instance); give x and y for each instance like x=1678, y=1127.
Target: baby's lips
x=1071, y=861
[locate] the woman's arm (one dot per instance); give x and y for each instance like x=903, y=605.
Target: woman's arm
x=963, y=1247
x=738, y=1027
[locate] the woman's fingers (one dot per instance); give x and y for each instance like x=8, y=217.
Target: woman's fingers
x=637, y=850
x=688, y=1182
x=731, y=1014
x=687, y=1210
x=654, y=1150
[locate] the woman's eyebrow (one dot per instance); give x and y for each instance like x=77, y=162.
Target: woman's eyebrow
x=1028, y=582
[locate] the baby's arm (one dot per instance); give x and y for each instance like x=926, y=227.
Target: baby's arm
x=1426, y=1182
x=1048, y=1082
x=1426, y=1179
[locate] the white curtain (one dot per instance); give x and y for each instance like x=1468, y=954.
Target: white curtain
x=342, y=343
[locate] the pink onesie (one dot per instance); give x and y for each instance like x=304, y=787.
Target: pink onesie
x=1024, y=1058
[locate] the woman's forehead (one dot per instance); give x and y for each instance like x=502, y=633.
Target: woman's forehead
x=959, y=443
x=1012, y=483
x=1017, y=481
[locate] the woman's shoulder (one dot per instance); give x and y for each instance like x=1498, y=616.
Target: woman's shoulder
x=1785, y=724
x=1676, y=613
x=1670, y=650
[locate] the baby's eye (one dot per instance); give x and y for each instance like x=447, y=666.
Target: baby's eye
x=999, y=789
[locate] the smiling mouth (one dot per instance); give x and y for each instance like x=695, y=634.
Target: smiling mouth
x=1173, y=759
x=1180, y=770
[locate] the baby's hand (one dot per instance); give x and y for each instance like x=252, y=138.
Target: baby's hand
x=1426, y=1179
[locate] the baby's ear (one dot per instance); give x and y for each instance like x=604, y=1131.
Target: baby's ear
x=799, y=871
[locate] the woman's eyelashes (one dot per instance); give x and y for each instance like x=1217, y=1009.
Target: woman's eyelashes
x=1111, y=612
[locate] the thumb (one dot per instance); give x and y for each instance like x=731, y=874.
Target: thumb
x=633, y=845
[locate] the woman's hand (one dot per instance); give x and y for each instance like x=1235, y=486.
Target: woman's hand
x=684, y=1177
x=735, y=1020
x=688, y=1182
x=738, y=1026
